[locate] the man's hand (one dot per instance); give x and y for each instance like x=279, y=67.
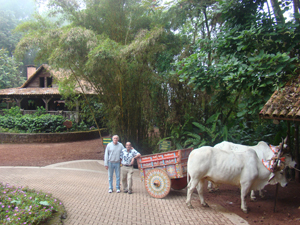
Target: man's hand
x=106, y=167
x=132, y=161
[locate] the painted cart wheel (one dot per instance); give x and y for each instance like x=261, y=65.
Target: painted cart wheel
x=158, y=183
x=178, y=183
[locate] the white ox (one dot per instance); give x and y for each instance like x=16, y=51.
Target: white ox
x=262, y=150
x=242, y=169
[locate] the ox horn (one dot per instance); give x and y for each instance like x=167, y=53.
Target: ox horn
x=285, y=146
x=277, y=160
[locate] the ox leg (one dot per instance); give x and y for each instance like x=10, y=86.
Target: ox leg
x=200, y=187
x=244, y=192
x=212, y=187
x=209, y=186
x=252, y=196
x=191, y=187
x=261, y=194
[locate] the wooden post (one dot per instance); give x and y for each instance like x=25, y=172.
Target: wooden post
x=276, y=194
x=19, y=100
x=46, y=101
x=77, y=112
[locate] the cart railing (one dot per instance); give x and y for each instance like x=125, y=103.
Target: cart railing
x=173, y=162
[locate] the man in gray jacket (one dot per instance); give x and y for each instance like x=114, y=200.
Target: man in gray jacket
x=112, y=159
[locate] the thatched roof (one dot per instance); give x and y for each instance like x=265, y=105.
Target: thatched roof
x=284, y=104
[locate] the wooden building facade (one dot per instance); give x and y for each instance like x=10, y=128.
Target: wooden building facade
x=39, y=90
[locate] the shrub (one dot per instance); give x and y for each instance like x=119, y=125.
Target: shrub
x=13, y=111
x=40, y=122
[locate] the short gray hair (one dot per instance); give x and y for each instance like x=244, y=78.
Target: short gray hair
x=116, y=136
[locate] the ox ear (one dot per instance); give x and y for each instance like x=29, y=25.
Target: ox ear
x=285, y=146
x=281, y=145
x=286, y=140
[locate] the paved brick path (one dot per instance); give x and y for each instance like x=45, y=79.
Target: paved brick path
x=82, y=186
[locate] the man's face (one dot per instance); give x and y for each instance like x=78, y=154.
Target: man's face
x=128, y=147
x=115, y=140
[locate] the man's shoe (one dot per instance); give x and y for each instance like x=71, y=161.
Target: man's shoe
x=109, y=191
x=118, y=191
x=129, y=192
x=125, y=191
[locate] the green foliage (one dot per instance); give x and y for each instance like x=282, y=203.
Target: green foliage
x=208, y=134
x=40, y=111
x=113, y=47
x=230, y=57
x=9, y=71
x=249, y=56
x=23, y=206
x=8, y=39
x=194, y=134
x=42, y=124
x=13, y=111
x=13, y=13
x=13, y=121
x=21, y=10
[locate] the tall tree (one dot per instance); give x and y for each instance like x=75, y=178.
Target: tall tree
x=111, y=44
x=251, y=56
x=9, y=71
x=8, y=39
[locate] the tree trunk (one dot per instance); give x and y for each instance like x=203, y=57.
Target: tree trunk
x=277, y=12
x=296, y=10
x=296, y=147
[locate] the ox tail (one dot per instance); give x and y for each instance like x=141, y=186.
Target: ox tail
x=187, y=177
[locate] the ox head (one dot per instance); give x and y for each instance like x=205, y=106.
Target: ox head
x=278, y=177
x=286, y=155
x=282, y=159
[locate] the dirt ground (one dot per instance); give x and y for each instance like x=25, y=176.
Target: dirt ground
x=260, y=212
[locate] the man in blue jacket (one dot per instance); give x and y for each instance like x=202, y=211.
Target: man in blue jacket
x=112, y=159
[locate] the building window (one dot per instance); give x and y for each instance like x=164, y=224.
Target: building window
x=49, y=81
x=42, y=82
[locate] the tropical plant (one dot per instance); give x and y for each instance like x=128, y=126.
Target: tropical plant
x=249, y=56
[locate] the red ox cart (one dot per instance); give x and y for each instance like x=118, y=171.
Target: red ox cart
x=163, y=171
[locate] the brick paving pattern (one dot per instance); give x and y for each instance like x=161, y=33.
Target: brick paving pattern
x=82, y=186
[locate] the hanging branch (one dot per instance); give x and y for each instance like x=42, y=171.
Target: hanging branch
x=87, y=101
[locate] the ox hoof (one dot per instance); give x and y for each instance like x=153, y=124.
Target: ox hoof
x=210, y=190
x=190, y=206
x=245, y=210
x=205, y=205
x=253, y=199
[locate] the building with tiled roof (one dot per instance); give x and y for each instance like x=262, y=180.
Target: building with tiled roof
x=284, y=104
x=38, y=90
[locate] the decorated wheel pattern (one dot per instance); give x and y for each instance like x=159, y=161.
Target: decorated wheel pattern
x=179, y=183
x=157, y=183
